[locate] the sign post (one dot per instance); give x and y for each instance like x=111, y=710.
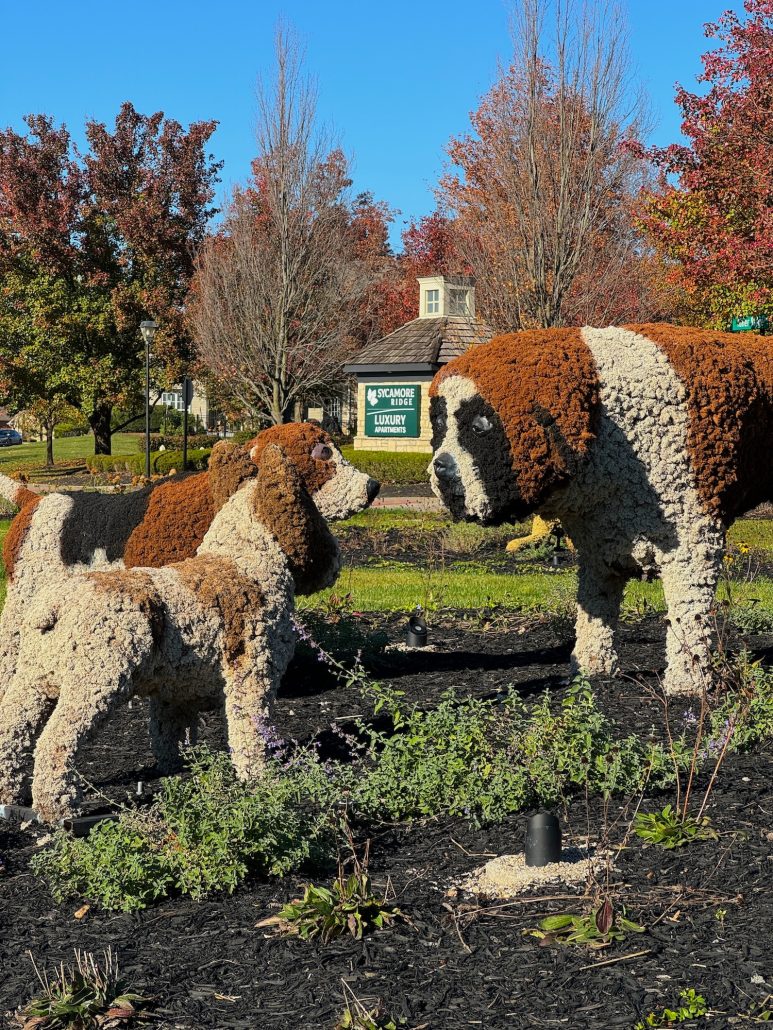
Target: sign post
x=187, y=398
x=392, y=410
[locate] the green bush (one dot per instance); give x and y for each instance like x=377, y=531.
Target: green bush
x=389, y=467
x=242, y=436
x=486, y=759
x=205, y=833
x=174, y=441
x=161, y=462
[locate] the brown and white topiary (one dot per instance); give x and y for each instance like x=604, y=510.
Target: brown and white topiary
x=646, y=441
x=59, y=533
x=215, y=630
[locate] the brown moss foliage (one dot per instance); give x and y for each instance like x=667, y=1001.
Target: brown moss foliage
x=298, y=440
x=218, y=585
x=284, y=507
x=17, y=533
x=543, y=384
x=178, y=515
x=229, y=467
x=139, y=591
x=729, y=382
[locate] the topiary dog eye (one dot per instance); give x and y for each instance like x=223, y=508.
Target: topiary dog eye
x=481, y=425
x=322, y=452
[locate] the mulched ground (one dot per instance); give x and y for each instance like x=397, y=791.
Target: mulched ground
x=458, y=964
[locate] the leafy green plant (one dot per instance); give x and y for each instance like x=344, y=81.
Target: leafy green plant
x=206, y=833
x=752, y=618
x=593, y=930
x=691, y=1006
x=348, y=906
x=484, y=759
x=85, y=996
x=670, y=829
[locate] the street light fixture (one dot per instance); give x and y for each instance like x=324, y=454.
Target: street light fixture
x=148, y=330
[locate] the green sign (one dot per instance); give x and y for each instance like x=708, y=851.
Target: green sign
x=392, y=410
x=750, y=324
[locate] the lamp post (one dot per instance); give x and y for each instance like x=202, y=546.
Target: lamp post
x=148, y=330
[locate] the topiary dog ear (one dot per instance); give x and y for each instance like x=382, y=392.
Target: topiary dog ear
x=284, y=507
x=229, y=466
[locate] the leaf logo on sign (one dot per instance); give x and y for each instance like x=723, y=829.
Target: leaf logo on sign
x=372, y=396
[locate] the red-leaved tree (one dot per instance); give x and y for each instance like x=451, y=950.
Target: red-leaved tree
x=92, y=245
x=712, y=211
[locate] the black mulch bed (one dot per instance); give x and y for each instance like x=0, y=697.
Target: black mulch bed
x=457, y=965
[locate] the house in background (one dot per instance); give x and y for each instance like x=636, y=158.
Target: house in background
x=5, y=419
x=199, y=412
x=393, y=374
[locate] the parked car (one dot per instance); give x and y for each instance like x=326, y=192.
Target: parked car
x=9, y=437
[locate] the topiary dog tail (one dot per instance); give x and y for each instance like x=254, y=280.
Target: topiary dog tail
x=15, y=492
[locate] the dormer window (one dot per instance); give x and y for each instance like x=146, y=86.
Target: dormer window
x=457, y=302
x=432, y=302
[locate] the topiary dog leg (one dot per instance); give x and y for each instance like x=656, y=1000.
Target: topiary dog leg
x=689, y=583
x=249, y=697
x=97, y=679
x=23, y=711
x=599, y=596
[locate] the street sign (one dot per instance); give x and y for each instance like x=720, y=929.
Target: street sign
x=750, y=324
x=392, y=409
x=187, y=391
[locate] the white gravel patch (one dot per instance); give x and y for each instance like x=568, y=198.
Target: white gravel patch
x=508, y=875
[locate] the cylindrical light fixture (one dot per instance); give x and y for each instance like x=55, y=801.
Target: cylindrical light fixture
x=416, y=634
x=543, y=840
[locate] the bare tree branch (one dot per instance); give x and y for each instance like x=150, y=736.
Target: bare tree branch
x=278, y=294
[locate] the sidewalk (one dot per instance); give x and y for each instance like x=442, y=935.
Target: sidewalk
x=419, y=498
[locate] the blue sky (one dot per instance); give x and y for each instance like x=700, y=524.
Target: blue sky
x=396, y=79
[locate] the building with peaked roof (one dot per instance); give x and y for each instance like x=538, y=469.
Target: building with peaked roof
x=393, y=374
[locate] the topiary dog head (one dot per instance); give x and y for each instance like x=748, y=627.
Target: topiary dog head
x=336, y=487
x=511, y=419
x=283, y=506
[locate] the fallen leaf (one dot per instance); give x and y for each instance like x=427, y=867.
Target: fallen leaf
x=269, y=921
x=121, y=1012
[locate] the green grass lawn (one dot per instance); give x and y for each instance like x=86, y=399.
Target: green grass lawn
x=401, y=589
x=68, y=449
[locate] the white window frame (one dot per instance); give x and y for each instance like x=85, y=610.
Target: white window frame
x=458, y=301
x=432, y=302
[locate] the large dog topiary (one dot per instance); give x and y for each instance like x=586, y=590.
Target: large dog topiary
x=647, y=441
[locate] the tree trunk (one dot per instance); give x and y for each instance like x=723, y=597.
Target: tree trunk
x=49, y=444
x=99, y=420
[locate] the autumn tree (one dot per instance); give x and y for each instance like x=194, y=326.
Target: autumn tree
x=89, y=247
x=541, y=188
x=712, y=210
x=277, y=302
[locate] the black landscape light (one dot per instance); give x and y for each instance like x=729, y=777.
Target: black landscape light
x=543, y=839
x=82, y=825
x=416, y=634
x=557, y=535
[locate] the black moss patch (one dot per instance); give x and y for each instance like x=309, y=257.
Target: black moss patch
x=101, y=521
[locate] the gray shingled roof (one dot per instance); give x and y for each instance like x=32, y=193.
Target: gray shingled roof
x=424, y=341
